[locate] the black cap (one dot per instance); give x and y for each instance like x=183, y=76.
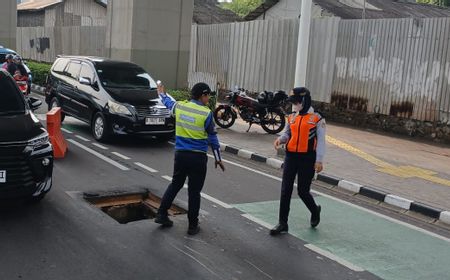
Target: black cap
x=200, y=89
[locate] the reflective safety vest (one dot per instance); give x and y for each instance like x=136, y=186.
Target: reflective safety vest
x=190, y=120
x=303, y=133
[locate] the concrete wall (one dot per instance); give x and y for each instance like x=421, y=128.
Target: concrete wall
x=8, y=23
x=154, y=34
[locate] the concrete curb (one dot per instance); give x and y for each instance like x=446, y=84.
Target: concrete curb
x=355, y=188
x=38, y=89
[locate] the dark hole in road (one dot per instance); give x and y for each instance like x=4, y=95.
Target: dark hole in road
x=126, y=208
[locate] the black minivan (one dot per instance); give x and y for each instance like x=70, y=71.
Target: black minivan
x=114, y=97
x=26, y=155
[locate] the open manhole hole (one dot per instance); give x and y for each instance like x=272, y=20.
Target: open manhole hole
x=126, y=208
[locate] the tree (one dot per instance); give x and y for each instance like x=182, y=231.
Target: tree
x=442, y=3
x=242, y=7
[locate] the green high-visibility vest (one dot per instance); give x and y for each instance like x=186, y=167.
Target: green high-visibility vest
x=190, y=119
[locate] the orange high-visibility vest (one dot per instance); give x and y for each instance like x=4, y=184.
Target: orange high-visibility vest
x=303, y=133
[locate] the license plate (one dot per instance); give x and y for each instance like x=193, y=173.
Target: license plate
x=155, y=121
x=2, y=176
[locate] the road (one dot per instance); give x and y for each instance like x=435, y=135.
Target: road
x=65, y=237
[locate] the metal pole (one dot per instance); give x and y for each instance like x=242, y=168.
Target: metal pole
x=364, y=10
x=303, y=43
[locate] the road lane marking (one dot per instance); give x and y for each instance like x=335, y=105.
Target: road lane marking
x=257, y=221
x=82, y=138
x=100, y=146
x=387, y=168
x=120, y=155
x=168, y=178
x=216, y=201
x=100, y=156
x=66, y=130
x=333, y=257
x=258, y=269
x=143, y=166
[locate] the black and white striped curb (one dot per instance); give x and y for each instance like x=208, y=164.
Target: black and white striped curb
x=403, y=203
x=37, y=88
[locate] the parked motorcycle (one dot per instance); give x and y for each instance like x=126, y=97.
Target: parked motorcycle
x=267, y=110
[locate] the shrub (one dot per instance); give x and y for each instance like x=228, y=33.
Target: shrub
x=40, y=71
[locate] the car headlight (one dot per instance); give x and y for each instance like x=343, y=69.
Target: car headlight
x=39, y=141
x=117, y=108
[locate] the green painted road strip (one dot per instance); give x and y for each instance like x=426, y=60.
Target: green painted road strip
x=390, y=249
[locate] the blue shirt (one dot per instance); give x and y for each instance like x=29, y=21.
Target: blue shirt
x=188, y=144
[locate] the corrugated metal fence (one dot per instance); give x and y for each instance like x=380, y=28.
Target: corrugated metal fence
x=395, y=67
x=45, y=43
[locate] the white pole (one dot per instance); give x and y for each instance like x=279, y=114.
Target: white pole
x=303, y=43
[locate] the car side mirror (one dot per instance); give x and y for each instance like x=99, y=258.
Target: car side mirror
x=85, y=81
x=35, y=104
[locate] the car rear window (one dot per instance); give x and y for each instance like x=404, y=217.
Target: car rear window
x=11, y=101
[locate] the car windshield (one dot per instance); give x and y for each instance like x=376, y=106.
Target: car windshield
x=11, y=101
x=124, y=76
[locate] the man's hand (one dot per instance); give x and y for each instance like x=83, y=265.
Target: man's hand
x=220, y=164
x=276, y=144
x=318, y=166
x=161, y=89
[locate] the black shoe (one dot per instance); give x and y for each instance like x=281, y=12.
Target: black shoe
x=280, y=228
x=193, y=230
x=163, y=220
x=315, y=217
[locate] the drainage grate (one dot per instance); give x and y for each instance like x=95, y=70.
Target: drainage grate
x=126, y=207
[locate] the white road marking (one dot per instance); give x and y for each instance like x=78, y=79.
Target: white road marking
x=100, y=146
x=120, y=155
x=259, y=269
x=333, y=257
x=258, y=221
x=168, y=178
x=143, y=166
x=66, y=130
x=82, y=138
x=216, y=201
x=100, y=156
x=196, y=260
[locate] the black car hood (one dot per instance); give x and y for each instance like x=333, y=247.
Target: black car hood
x=133, y=96
x=19, y=128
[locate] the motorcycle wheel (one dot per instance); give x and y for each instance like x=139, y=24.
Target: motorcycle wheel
x=224, y=117
x=274, y=122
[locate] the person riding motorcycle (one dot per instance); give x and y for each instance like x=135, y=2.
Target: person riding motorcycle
x=9, y=65
x=21, y=75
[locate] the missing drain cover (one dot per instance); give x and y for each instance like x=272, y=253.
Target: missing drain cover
x=126, y=208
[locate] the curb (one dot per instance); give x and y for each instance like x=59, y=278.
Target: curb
x=38, y=89
x=391, y=199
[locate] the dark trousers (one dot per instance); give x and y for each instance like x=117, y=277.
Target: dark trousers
x=303, y=166
x=193, y=166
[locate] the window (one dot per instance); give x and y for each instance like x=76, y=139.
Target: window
x=59, y=66
x=73, y=70
x=86, y=72
x=124, y=75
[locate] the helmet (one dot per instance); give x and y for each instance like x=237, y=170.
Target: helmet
x=262, y=97
x=17, y=58
x=301, y=95
x=9, y=56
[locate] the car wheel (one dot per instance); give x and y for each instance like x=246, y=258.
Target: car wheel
x=36, y=199
x=55, y=103
x=99, y=127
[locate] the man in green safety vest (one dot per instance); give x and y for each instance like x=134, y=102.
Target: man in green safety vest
x=195, y=130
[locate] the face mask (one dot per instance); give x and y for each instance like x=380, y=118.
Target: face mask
x=297, y=107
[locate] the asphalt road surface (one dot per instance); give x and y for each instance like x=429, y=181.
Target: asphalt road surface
x=65, y=237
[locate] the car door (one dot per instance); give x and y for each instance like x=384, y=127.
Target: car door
x=87, y=94
x=68, y=89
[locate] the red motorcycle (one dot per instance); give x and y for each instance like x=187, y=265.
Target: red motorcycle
x=267, y=110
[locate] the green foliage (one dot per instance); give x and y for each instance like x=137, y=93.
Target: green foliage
x=442, y=3
x=242, y=7
x=39, y=71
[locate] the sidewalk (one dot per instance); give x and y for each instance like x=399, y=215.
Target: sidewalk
x=413, y=170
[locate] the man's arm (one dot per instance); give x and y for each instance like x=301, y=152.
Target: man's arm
x=168, y=101
x=321, y=141
x=212, y=137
